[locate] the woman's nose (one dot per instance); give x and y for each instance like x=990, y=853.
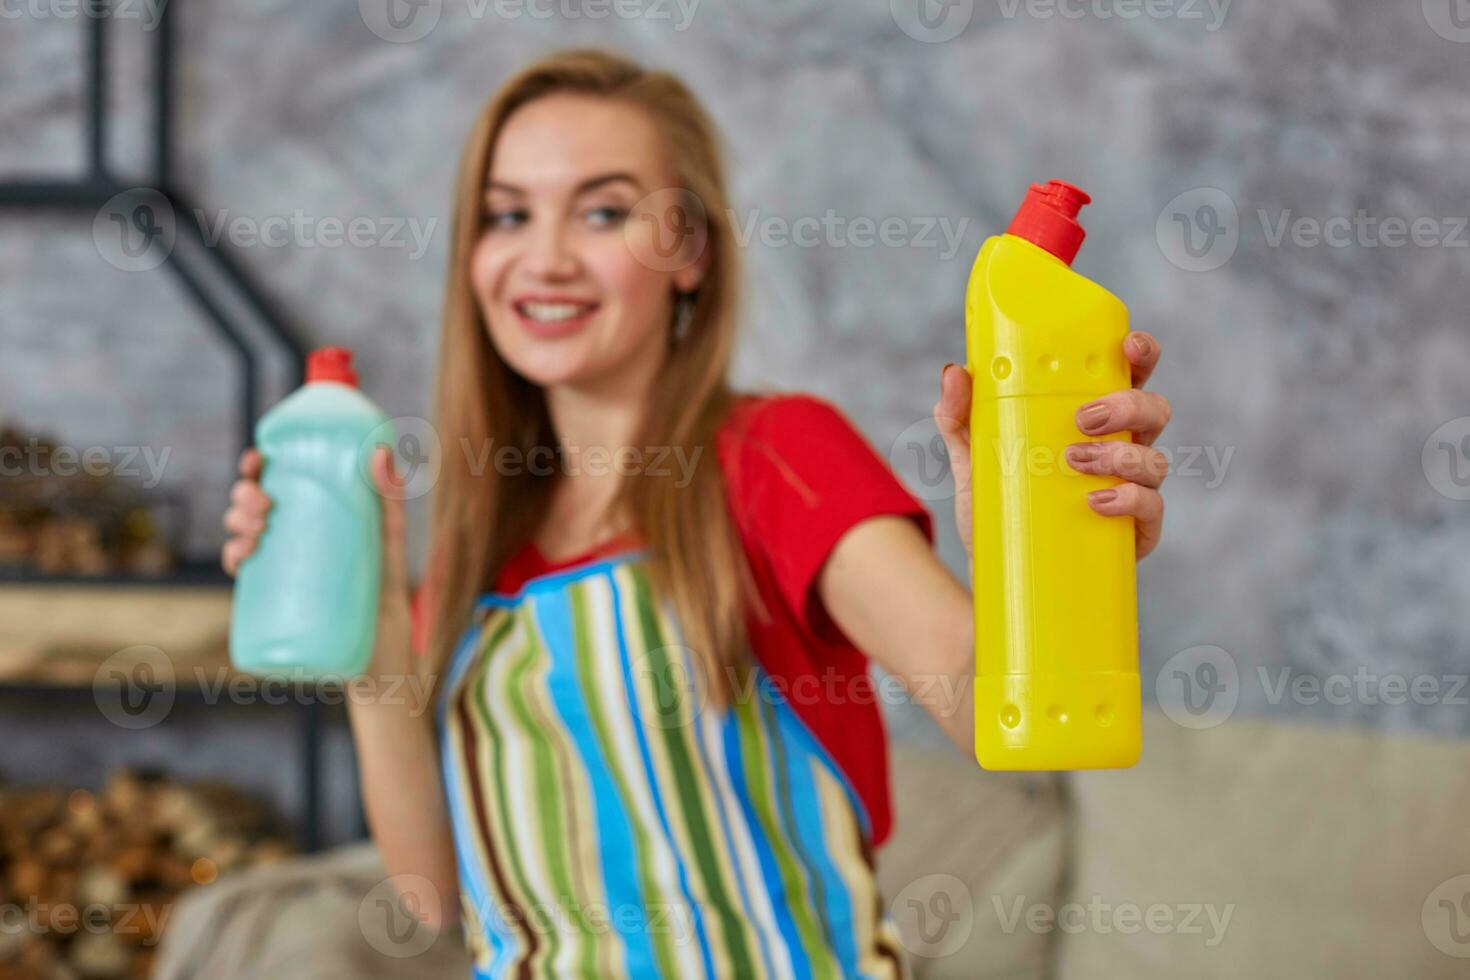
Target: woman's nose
x=550, y=255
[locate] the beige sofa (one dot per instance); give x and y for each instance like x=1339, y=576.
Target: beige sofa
x=1255, y=849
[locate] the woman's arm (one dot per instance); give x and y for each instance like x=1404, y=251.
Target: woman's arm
x=887, y=591
x=899, y=604
x=392, y=729
x=403, y=797
x=398, y=759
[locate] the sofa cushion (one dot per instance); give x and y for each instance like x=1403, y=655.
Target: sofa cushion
x=330, y=917
x=961, y=836
x=1333, y=852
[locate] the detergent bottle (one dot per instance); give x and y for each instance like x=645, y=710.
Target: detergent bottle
x=1056, y=628
x=306, y=601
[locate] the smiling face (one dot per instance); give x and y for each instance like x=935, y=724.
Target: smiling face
x=566, y=299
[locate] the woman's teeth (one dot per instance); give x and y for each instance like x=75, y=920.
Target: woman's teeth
x=553, y=312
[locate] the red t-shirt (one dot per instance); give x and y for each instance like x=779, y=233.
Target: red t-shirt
x=798, y=476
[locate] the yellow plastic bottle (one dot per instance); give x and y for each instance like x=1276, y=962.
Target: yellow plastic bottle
x=1056, y=623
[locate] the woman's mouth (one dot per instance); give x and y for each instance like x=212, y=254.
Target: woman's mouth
x=554, y=317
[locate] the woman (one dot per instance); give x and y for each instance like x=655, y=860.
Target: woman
x=654, y=748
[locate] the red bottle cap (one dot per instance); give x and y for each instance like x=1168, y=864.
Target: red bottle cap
x=1048, y=218
x=331, y=364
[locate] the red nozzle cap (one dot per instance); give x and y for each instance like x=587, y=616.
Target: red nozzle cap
x=1048, y=218
x=331, y=364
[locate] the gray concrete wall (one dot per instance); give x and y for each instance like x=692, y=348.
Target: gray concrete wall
x=1310, y=530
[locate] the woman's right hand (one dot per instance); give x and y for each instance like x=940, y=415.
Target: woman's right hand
x=245, y=518
x=245, y=522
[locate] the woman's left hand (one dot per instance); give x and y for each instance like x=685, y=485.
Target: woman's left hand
x=1142, y=467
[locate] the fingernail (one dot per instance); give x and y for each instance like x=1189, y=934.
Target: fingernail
x=1093, y=416
x=1086, y=453
x=945, y=370
x=1102, y=496
x=1142, y=345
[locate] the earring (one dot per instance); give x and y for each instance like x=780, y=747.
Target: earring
x=683, y=316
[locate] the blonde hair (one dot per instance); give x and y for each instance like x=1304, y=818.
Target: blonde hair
x=479, y=520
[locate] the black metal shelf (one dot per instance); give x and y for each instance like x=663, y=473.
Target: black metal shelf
x=205, y=265
x=309, y=718
x=185, y=575
x=207, y=262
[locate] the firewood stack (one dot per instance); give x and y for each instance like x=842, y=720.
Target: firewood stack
x=61, y=519
x=87, y=880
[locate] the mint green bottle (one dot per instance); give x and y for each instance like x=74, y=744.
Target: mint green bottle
x=306, y=602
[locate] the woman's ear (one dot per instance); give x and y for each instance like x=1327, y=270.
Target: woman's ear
x=688, y=278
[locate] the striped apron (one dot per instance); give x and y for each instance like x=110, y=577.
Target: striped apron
x=610, y=822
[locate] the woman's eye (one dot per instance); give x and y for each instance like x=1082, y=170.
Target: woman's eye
x=607, y=216
x=505, y=220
